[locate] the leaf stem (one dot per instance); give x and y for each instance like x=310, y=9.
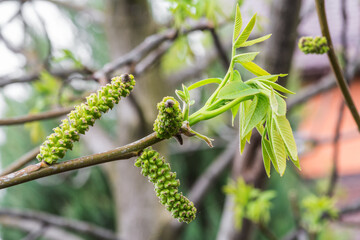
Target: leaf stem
x=320, y=7
x=202, y=114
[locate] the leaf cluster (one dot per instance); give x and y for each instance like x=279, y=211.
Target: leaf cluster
x=317, y=211
x=259, y=102
x=250, y=203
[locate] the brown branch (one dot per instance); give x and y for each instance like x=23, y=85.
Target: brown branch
x=150, y=43
x=320, y=7
x=35, y=117
x=22, y=161
x=205, y=181
x=8, y=79
x=69, y=224
x=41, y=170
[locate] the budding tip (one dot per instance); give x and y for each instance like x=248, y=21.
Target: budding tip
x=169, y=103
x=125, y=78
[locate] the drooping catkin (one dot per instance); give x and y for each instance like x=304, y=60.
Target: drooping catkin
x=83, y=116
x=166, y=185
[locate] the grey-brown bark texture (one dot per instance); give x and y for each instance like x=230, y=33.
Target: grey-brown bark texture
x=128, y=23
x=278, y=53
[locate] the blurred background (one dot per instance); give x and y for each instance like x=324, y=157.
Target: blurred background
x=53, y=53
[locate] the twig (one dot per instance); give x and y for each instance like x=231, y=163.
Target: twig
x=320, y=7
x=35, y=117
x=205, y=181
x=37, y=171
x=8, y=79
x=150, y=43
x=36, y=233
x=69, y=224
x=22, y=161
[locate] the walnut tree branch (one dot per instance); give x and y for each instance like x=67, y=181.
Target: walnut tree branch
x=320, y=7
x=35, y=117
x=69, y=224
x=41, y=170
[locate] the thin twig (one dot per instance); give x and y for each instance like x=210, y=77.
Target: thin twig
x=22, y=161
x=35, y=117
x=37, y=171
x=205, y=181
x=320, y=7
x=69, y=224
x=36, y=233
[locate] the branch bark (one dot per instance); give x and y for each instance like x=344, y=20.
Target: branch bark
x=340, y=79
x=69, y=224
x=37, y=171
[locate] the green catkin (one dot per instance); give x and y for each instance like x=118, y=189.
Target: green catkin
x=83, y=116
x=166, y=185
x=169, y=119
x=310, y=45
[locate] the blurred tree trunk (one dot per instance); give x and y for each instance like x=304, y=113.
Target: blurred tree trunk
x=278, y=53
x=138, y=210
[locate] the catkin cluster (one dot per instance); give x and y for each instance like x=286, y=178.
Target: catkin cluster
x=169, y=119
x=310, y=45
x=166, y=185
x=83, y=116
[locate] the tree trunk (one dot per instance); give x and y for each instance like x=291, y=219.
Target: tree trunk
x=138, y=209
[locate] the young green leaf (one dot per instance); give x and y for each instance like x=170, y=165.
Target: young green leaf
x=295, y=162
x=181, y=95
x=257, y=111
x=246, y=32
x=237, y=89
x=237, y=76
x=273, y=101
x=278, y=146
x=204, y=82
x=245, y=57
x=234, y=111
x=266, y=157
x=272, y=78
x=276, y=86
x=266, y=145
x=255, y=69
x=238, y=23
x=254, y=41
x=186, y=92
x=244, y=106
x=284, y=128
x=281, y=111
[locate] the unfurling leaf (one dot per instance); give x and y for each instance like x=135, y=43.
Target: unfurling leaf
x=237, y=24
x=237, y=89
x=245, y=57
x=246, y=32
x=286, y=134
x=204, y=82
x=256, y=112
x=255, y=69
x=278, y=146
x=254, y=41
